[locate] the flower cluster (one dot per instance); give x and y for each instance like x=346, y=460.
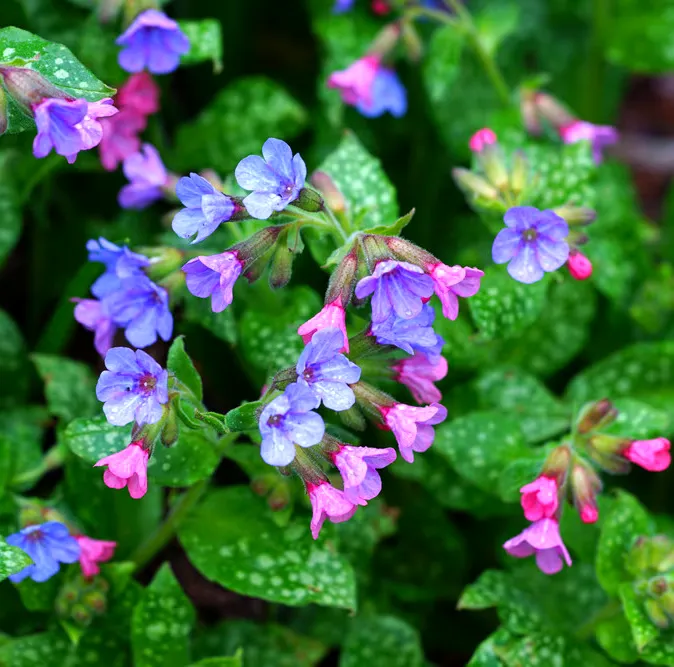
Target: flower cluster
x=570, y=469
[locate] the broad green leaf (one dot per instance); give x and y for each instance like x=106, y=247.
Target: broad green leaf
x=69, y=386
x=488, y=591
x=14, y=366
x=40, y=596
x=12, y=560
x=520, y=472
x=232, y=540
x=233, y=661
x=55, y=62
x=93, y=439
x=495, y=22
x=11, y=219
x=205, y=38
x=539, y=650
x=615, y=637
x=485, y=654
x=638, y=420
x=243, y=418
x=643, y=630
x=660, y=651
x=480, y=445
x=504, y=307
x=261, y=645
x=221, y=325
x=23, y=428
x=180, y=363
x=381, y=641
x=161, y=623
x=625, y=521
x=236, y=124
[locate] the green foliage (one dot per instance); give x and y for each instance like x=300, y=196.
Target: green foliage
x=179, y=363
x=205, y=42
x=12, y=560
x=10, y=213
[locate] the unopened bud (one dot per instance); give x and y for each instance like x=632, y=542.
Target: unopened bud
x=164, y=261
x=580, y=267
x=385, y=41
x=519, y=172
x=331, y=193
x=375, y=249
x=171, y=429
x=412, y=42
x=280, y=496
x=81, y=615
x=594, y=415
x=262, y=484
x=95, y=601
x=576, y=215
x=656, y=613
x=474, y=185
x=552, y=110
x=281, y=267
x=28, y=87
x=557, y=464
x=343, y=279
x=529, y=112
x=667, y=603
x=309, y=200
x=585, y=485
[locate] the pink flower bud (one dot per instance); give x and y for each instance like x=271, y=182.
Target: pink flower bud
x=127, y=468
x=580, y=267
x=585, y=486
x=589, y=514
x=93, y=552
x=540, y=498
x=332, y=315
x=651, y=455
x=482, y=138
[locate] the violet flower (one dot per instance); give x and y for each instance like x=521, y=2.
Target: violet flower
x=147, y=176
x=541, y=538
x=415, y=334
x=332, y=315
x=328, y=503
x=127, y=468
x=94, y=316
x=599, y=136
x=413, y=427
x=214, y=276
x=358, y=467
x=418, y=373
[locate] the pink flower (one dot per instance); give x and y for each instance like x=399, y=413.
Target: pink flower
x=332, y=315
x=580, y=267
x=140, y=93
x=543, y=539
x=356, y=81
x=357, y=466
x=539, y=498
x=450, y=282
x=418, y=373
x=328, y=503
x=598, y=135
x=120, y=137
x=91, y=129
x=413, y=427
x=128, y=467
x=589, y=513
x=651, y=455
x=93, y=552
x=482, y=138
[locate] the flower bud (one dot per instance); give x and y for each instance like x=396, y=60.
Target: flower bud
x=331, y=193
x=474, y=185
x=343, y=279
x=411, y=40
x=375, y=249
x=493, y=164
x=309, y=200
x=557, y=464
x=28, y=87
x=281, y=267
x=519, y=173
x=667, y=603
x=279, y=498
x=81, y=615
x=529, y=112
x=595, y=415
x=171, y=429
x=552, y=110
x=656, y=613
x=385, y=41
x=576, y=215
x=164, y=261
x=96, y=602
x=481, y=139
x=3, y=111
x=585, y=485
x=580, y=267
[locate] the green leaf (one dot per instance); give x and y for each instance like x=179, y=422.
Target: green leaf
x=180, y=363
x=486, y=653
x=12, y=560
x=392, y=229
x=11, y=219
x=205, y=42
x=221, y=325
x=69, y=386
x=236, y=124
x=55, y=62
x=14, y=369
x=539, y=650
x=381, y=641
x=504, y=307
x=488, y=591
x=243, y=418
x=23, y=428
x=93, y=439
x=480, y=445
x=644, y=371
x=495, y=22
x=625, y=521
x=161, y=623
x=244, y=550
x=615, y=637
x=233, y=661
x=643, y=630
x=40, y=596
x=638, y=420
x=518, y=473
x=48, y=649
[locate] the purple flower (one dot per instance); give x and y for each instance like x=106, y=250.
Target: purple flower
x=328, y=502
x=147, y=176
x=397, y=287
x=543, y=539
x=418, y=374
x=342, y=6
x=134, y=388
x=154, y=42
x=276, y=180
x=358, y=467
x=451, y=282
x=205, y=209
x=355, y=83
x=533, y=242
x=69, y=126
x=93, y=315
x=214, y=276
x=287, y=421
x=413, y=427
x=599, y=136
x=48, y=544
x=415, y=334
x=142, y=309
x=119, y=262
x=322, y=369
x=387, y=94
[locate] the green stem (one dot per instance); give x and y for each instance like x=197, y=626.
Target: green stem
x=611, y=609
x=337, y=225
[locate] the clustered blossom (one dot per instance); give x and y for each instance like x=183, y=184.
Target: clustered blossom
x=125, y=298
x=542, y=539
x=214, y=276
x=332, y=315
x=358, y=468
x=413, y=426
x=419, y=373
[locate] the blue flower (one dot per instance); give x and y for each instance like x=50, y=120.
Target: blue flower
x=134, y=388
x=205, y=209
x=342, y=6
x=287, y=421
x=533, y=242
x=48, y=544
x=119, y=262
x=326, y=372
x=387, y=94
x=414, y=334
x=276, y=180
x=154, y=42
x=397, y=287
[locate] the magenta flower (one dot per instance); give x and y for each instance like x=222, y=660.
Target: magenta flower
x=397, y=287
x=356, y=81
x=120, y=137
x=214, y=276
x=93, y=552
x=413, y=427
x=539, y=498
x=543, y=539
x=139, y=93
x=599, y=136
x=94, y=316
x=580, y=267
x=127, y=468
x=651, y=455
x=418, y=373
x=69, y=126
x=153, y=42
x=358, y=467
x=328, y=503
x=482, y=138
x=147, y=176
x=451, y=282
x=331, y=316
